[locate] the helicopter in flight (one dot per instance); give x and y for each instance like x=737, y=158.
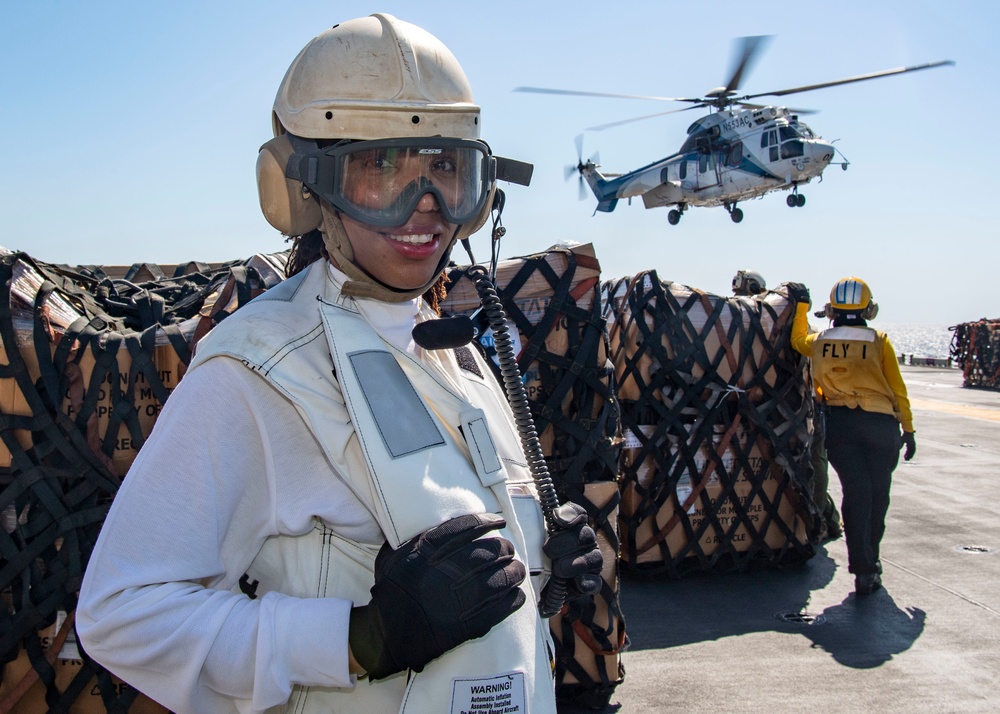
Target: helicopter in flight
x=738, y=151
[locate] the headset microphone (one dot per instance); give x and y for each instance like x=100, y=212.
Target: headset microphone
x=444, y=333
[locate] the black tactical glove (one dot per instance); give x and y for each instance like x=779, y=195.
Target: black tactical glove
x=573, y=550
x=440, y=589
x=910, y=442
x=798, y=292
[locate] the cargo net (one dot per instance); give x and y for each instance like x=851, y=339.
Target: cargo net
x=975, y=347
x=88, y=357
x=716, y=415
x=553, y=300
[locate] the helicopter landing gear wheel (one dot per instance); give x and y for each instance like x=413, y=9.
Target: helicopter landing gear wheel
x=792, y=200
x=674, y=217
x=736, y=214
x=800, y=200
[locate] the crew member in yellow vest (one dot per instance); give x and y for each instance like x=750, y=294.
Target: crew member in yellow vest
x=332, y=515
x=858, y=382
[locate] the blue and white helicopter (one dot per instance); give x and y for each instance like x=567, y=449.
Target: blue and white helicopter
x=736, y=152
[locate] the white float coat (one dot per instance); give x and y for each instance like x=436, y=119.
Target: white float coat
x=230, y=468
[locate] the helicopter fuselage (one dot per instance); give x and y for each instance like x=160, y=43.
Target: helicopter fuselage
x=729, y=156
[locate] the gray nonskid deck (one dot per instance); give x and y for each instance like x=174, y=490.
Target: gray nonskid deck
x=799, y=640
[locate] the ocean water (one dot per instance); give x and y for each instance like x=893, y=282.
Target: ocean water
x=918, y=340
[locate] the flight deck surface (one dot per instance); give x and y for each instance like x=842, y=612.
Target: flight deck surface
x=800, y=640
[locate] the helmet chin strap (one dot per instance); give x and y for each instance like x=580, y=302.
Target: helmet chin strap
x=360, y=284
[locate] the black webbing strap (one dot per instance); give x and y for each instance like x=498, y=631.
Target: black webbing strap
x=576, y=398
x=580, y=639
x=54, y=493
x=136, y=268
x=61, y=476
x=734, y=418
x=575, y=404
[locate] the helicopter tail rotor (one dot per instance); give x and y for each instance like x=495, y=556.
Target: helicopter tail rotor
x=580, y=166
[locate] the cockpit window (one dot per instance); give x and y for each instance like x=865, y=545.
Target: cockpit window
x=805, y=131
x=788, y=132
x=791, y=149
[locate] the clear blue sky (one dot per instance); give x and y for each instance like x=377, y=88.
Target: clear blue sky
x=131, y=130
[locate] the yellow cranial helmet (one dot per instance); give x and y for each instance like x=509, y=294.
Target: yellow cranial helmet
x=853, y=294
x=850, y=294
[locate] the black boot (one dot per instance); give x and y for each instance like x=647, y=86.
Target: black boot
x=867, y=583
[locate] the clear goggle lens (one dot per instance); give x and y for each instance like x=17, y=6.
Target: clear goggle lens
x=381, y=182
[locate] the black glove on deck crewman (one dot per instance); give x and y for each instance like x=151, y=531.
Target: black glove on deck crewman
x=440, y=589
x=573, y=550
x=910, y=442
x=799, y=293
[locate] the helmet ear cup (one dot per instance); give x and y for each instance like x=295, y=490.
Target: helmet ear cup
x=870, y=312
x=828, y=311
x=286, y=203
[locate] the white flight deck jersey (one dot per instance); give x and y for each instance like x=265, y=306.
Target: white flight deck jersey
x=435, y=440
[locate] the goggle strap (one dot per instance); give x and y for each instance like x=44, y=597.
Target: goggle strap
x=513, y=171
x=301, y=148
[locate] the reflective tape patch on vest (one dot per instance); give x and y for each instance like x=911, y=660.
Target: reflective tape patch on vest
x=402, y=418
x=481, y=447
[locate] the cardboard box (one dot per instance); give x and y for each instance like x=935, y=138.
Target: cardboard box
x=22, y=692
x=532, y=299
x=736, y=518
x=135, y=390
x=737, y=348
x=592, y=654
x=710, y=390
x=13, y=403
x=129, y=394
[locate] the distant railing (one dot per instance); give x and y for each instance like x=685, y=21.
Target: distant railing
x=915, y=361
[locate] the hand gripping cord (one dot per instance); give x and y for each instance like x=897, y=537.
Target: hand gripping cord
x=555, y=593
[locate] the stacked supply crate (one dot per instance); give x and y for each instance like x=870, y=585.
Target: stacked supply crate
x=88, y=356
x=716, y=414
x=552, y=301
x=975, y=347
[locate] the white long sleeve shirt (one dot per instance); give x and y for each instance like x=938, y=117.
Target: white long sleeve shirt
x=229, y=463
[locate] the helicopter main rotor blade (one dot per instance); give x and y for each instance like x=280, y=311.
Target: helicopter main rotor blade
x=573, y=93
x=750, y=49
x=602, y=127
x=793, y=110
x=849, y=80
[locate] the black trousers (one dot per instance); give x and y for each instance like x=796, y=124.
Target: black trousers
x=863, y=447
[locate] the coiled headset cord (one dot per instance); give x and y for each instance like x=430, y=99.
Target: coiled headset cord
x=555, y=593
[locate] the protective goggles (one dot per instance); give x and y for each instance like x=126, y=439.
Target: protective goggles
x=381, y=182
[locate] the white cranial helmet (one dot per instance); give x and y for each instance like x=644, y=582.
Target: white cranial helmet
x=375, y=78
x=371, y=78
